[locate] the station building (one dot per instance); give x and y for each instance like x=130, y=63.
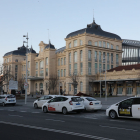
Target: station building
x=88, y=53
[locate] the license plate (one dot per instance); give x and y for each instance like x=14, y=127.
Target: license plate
x=78, y=104
x=11, y=100
x=96, y=103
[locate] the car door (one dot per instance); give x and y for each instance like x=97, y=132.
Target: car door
x=52, y=104
x=136, y=108
x=40, y=101
x=125, y=108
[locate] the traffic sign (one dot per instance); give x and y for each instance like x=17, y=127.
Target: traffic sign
x=13, y=84
x=25, y=85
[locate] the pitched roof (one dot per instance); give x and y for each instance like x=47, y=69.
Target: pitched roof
x=94, y=28
x=60, y=49
x=127, y=67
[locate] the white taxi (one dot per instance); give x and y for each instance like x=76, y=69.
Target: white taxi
x=91, y=104
x=39, y=102
x=64, y=104
x=129, y=108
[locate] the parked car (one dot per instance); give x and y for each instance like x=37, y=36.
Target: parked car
x=39, y=102
x=128, y=108
x=91, y=104
x=64, y=104
x=7, y=99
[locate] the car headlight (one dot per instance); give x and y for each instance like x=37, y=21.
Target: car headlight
x=108, y=107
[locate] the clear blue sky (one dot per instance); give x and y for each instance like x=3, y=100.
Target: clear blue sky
x=17, y=17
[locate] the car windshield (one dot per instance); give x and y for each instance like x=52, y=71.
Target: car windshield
x=11, y=96
x=76, y=99
x=91, y=99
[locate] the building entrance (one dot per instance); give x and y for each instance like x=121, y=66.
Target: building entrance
x=119, y=88
x=129, y=89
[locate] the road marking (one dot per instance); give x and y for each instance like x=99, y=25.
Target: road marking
x=118, y=128
x=57, y=131
x=35, y=112
x=15, y=115
x=11, y=110
x=116, y=121
x=22, y=111
x=55, y=120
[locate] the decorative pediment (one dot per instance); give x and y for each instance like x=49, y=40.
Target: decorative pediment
x=41, y=43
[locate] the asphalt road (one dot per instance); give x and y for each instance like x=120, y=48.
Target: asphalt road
x=25, y=122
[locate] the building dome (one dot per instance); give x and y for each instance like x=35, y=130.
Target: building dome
x=94, y=28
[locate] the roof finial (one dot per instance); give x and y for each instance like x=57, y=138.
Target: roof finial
x=93, y=17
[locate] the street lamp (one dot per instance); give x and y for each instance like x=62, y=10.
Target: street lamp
x=104, y=60
x=26, y=65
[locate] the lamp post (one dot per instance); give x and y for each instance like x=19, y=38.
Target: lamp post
x=104, y=60
x=26, y=65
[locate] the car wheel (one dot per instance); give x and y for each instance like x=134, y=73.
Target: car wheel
x=113, y=114
x=45, y=110
x=3, y=104
x=64, y=110
x=35, y=105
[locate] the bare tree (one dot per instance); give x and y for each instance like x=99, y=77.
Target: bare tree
x=6, y=76
x=92, y=84
x=52, y=83
x=21, y=83
x=74, y=80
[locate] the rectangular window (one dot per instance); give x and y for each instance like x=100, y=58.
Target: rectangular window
x=96, y=67
x=28, y=64
x=61, y=61
x=28, y=73
x=46, y=60
x=111, y=46
x=107, y=57
x=95, y=56
x=104, y=44
x=99, y=56
x=61, y=72
x=75, y=43
x=107, y=45
x=75, y=56
x=24, y=68
x=69, y=69
x=104, y=57
x=36, y=65
x=100, y=43
x=100, y=67
x=41, y=64
x=69, y=57
x=108, y=67
x=111, y=57
x=15, y=76
x=117, y=47
x=75, y=68
x=58, y=61
x=111, y=66
x=96, y=44
x=46, y=71
x=117, y=59
x=64, y=60
x=16, y=68
x=36, y=73
x=41, y=73
x=58, y=73
x=81, y=55
x=81, y=42
x=103, y=67
x=81, y=86
x=81, y=68
x=69, y=87
x=89, y=55
x=64, y=72
x=89, y=68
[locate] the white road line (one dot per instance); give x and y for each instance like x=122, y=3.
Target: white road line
x=116, y=121
x=35, y=112
x=118, y=128
x=15, y=115
x=55, y=130
x=11, y=110
x=55, y=120
x=22, y=111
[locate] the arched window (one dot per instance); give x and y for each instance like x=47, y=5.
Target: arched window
x=70, y=45
x=75, y=56
x=41, y=86
x=89, y=42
